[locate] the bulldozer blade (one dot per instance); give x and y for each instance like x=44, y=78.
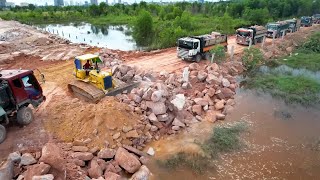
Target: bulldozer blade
x=122, y=88
x=86, y=90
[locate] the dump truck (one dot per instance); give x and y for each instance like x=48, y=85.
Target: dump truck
x=277, y=29
x=316, y=18
x=254, y=34
x=18, y=90
x=306, y=21
x=294, y=25
x=92, y=83
x=195, y=48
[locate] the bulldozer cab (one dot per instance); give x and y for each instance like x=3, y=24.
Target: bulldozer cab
x=85, y=64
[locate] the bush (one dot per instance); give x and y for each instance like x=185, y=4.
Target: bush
x=219, y=53
x=224, y=139
x=313, y=44
x=252, y=58
x=195, y=162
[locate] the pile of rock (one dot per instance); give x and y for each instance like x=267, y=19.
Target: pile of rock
x=171, y=102
x=76, y=162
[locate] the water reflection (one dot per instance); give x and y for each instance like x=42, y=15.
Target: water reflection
x=113, y=37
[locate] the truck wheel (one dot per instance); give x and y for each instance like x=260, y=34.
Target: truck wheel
x=3, y=133
x=207, y=56
x=198, y=58
x=24, y=116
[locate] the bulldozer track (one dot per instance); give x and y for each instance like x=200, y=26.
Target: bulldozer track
x=86, y=91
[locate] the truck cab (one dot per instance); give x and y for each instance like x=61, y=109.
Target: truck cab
x=316, y=18
x=277, y=29
x=188, y=47
x=306, y=21
x=243, y=36
x=195, y=48
x=18, y=89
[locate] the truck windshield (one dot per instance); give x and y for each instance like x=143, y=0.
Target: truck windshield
x=185, y=44
x=243, y=33
x=272, y=27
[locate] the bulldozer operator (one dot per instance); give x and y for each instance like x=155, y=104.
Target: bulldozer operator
x=87, y=67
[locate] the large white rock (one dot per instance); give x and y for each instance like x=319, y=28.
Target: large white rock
x=179, y=101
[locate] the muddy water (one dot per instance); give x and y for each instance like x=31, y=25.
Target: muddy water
x=283, y=142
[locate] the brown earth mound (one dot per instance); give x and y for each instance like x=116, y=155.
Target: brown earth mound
x=74, y=120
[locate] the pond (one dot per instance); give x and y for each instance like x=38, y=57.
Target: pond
x=113, y=37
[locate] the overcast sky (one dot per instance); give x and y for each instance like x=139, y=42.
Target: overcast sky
x=50, y=2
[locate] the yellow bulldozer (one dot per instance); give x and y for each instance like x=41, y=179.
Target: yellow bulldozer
x=92, y=83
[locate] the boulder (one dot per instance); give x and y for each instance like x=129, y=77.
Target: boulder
x=84, y=156
x=14, y=157
x=219, y=105
x=153, y=128
x=175, y=128
x=227, y=93
x=111, y=176
x=212, y=79
x=36, y=170
x=43, y=177
x=6, y=170
x=151, y=151
x=51, y=154
x=127, y=161
x=123, y=69
x=116, y=135
x=194, y=66
x=163, y=117
x=95, y=170
x=202, y=75
x=106, y=153
x=211, y=92
x=201, y=101
x=220, y=116
x=156, y=96
x=225, y=82
x=179, y=101
x=197, y=109
x=27, y=159
x=213, y=67
x=142, y=174
x=79, y=162
x=153, y=118
x=80, y=148
x=102, y=164
x=157, y=107
x=132, y=134
x=134, y=150
x=177, y=122
x=126, y=129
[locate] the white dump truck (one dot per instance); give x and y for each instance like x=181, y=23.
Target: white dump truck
x=195, y=48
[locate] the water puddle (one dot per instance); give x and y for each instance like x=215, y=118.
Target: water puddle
x=283, y=142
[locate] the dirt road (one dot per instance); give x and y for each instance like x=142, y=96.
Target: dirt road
x=167, y=60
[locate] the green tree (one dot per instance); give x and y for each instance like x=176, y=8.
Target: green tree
x=143, y=28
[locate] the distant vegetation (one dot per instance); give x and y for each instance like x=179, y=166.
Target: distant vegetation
x=172, y=21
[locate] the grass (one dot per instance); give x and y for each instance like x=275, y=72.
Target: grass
x=224, y=139
x=293, y=89
x=309, y=61
x=195, y=162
